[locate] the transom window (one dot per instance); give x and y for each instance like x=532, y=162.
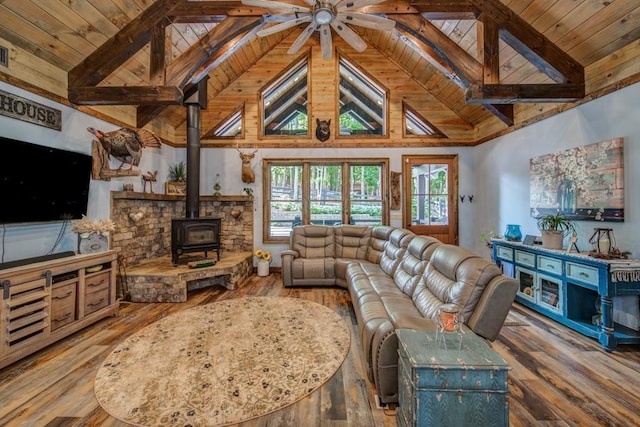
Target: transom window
x=284, y=105
x=416, y=125
x=325, y=191
x=362, y=102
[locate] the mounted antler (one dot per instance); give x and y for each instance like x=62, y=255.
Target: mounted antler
x=248, y=176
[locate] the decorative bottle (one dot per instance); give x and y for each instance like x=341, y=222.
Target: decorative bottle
x=513, y=233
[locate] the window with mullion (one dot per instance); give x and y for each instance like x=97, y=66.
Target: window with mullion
x=328, y=192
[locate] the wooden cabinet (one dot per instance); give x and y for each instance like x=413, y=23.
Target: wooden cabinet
x=450, y=386
x=574, y=289
x=46, y=301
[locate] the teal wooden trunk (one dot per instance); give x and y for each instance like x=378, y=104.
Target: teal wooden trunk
x=450, y=387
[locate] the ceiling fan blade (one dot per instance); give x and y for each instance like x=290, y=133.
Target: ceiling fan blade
x=325, y=41
x=302, y=38
x=276, y=5
x=354, y=40
x=365, y=20
x=283, y=26
x=355, y=4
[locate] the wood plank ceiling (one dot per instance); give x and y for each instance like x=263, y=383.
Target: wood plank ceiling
x=492, y=64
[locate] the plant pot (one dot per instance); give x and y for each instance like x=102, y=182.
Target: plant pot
x=263, y=268
x=552, y=239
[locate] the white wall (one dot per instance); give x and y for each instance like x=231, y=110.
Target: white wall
x=227, y=163
x=24, y=241
x=502, y=166
x=502, y=173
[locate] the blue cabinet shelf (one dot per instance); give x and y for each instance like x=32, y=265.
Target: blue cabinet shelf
x=573, y=289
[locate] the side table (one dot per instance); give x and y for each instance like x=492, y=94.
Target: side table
x=450, y=387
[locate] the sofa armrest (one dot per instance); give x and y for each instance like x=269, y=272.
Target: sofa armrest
x=492, y=309
x=287, y=266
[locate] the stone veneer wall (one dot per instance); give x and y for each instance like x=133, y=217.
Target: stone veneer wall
x=150, y=236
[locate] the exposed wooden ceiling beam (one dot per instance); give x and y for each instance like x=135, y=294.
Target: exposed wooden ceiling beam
x=196, y=62
x=467, y=69
x=122, y=46
x=125, y=95
x=523, y=93
x=531, y=44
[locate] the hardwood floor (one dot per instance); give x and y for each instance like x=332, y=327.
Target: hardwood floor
x=558, y=377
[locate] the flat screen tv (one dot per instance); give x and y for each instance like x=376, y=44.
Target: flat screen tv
x=42, y=184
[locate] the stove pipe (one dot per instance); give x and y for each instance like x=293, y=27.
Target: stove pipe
x=193, y=161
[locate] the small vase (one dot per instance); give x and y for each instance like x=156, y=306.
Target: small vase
x=513, y=233
x=263, y=268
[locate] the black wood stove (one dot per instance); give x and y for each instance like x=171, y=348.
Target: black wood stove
x=194, y=235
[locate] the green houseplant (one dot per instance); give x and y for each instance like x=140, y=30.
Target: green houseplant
x=177, y=179
x=555, y=227
x=178, y=172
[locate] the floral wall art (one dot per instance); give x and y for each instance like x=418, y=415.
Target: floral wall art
x=584, y=183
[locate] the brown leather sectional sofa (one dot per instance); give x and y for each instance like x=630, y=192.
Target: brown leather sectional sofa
x=397, y=279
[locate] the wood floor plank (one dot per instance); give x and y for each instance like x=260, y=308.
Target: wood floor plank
x=557, y=377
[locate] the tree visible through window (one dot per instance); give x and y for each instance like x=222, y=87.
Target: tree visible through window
x=284, y=103
x=327, y=192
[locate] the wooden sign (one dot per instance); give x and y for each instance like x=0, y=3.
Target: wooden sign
x=26, y=110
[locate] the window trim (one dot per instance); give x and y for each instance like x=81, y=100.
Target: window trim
x=306, y=164
x=408, y=110
x=385, y=93
x=299, y=61
x=225, y=122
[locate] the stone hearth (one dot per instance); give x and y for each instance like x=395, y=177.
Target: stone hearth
x=158, y=280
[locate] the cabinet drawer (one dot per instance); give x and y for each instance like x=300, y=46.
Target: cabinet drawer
x=63, y=305
x=550, y=265
x=97, y=289
x=584, y=273
x=525, y=258
x=504, y=253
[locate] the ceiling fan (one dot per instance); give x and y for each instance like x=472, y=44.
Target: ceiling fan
x=322, y=15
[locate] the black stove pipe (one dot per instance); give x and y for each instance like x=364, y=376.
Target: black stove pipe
x=193, y=161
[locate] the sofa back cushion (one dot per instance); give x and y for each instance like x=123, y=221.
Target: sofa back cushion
x=413, y=263
x=352, y=241
x=399, y=239
x=456, y=276
x=379, y=237
x=313, y=241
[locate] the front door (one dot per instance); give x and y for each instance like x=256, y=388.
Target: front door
x=430, y=194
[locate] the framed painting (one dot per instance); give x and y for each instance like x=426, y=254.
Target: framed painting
x=584, y=183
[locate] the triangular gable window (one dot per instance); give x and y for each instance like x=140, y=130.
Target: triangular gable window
x=284, y=105
x=362, y=102
x=415, y=125
x=231, y=127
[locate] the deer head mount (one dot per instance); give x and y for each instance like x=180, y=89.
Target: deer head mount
x=248, y=176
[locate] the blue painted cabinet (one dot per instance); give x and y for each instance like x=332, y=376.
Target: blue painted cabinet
x=574, y=289
x=450, y=387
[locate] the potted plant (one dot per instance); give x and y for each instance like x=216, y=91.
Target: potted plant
x=177, y=178
x=554, y=228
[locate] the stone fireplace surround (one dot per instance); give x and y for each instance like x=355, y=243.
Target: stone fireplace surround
x=150, y=236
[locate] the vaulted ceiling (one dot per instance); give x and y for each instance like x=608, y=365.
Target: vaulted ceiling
x=473, y=68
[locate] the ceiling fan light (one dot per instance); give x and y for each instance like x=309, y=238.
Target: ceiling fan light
x=323, y=16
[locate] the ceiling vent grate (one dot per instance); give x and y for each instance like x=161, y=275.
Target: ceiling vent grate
x=4, y=56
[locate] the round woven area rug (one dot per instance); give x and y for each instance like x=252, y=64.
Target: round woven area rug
x=223, y=363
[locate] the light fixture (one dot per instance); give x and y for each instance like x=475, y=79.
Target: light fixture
x=323, y=15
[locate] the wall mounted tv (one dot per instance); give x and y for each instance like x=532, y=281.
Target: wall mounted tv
x=42, y=184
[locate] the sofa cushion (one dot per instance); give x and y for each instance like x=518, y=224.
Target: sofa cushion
x=454, y=275
x=313, y=241
x=314, y=268
x=352, y=241
x=379, y=237
x=413, y=262
x=399, y=239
